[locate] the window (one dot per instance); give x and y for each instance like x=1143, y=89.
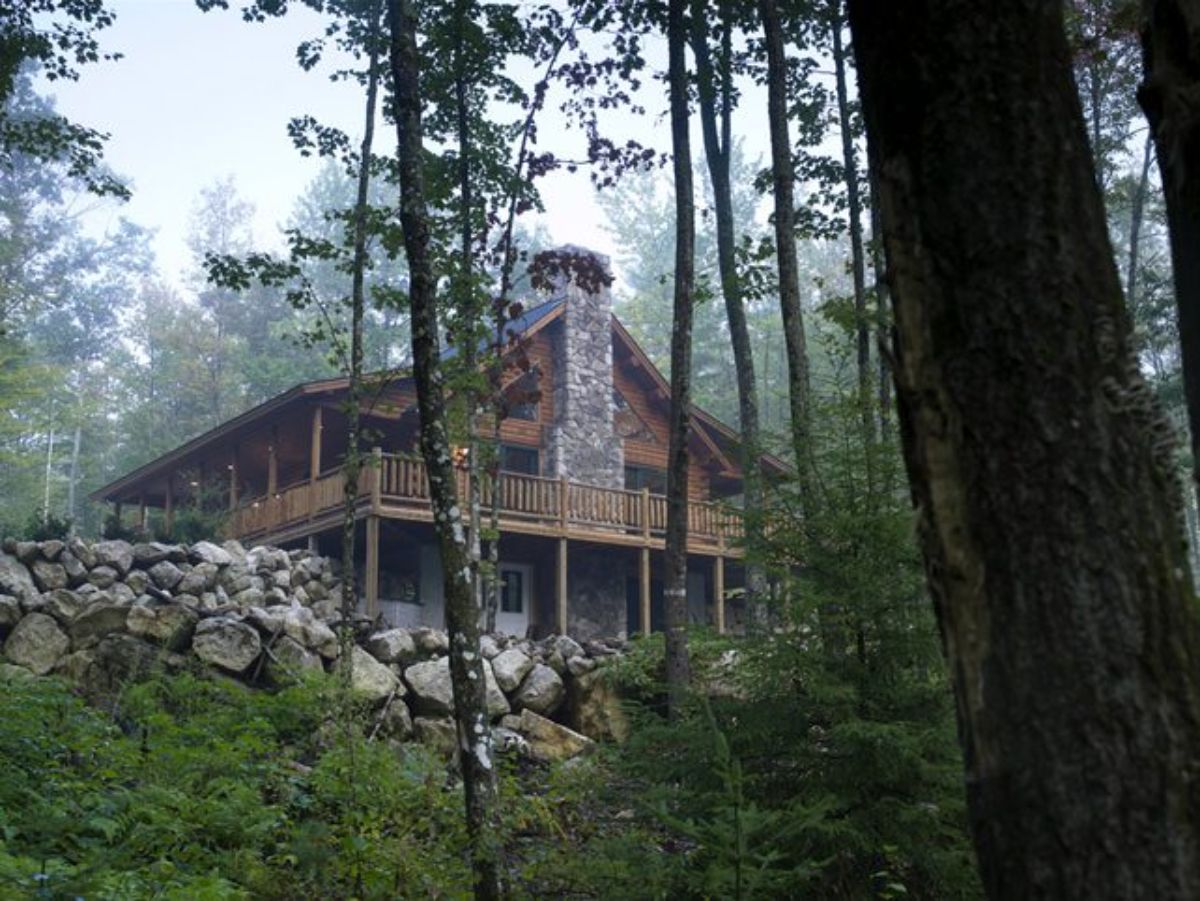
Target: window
x=639, y=477
x=514, y=458
x=512, y=591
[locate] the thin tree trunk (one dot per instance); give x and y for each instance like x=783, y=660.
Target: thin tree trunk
x=882, y=318
x=1168, y=95
x=675, y=553
x=74, y=480
x=1049, y=507
x=1137, y=211
x=858, y=263
x=49, y=469
x=462, y=614
x=717, y=152
x=783, y=180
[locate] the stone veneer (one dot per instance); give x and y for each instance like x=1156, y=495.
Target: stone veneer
x=583, y=444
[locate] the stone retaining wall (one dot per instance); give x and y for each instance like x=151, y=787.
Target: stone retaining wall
x=105, y=613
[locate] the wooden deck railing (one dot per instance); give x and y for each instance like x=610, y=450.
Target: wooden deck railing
x=397, y=483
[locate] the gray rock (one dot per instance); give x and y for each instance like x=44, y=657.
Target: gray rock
x=290, y=659
x=392, y=646
x=431, y=641
x=76, y=571
x=201, y=578
x=15, y=579
x=97, y=621
x=10, y=612
x=268, y=621
x=567, y=646
x=274, y=596
x=145, y=555
x=370, y=679
x=282, y=579
x=509, y=741
x=103, y=576
x=27, y=551
x=123, y=593
x=166, y=575
x=138, y=581
x=167, y=624
x=555, y=661
x=577, y=666
x=301, y=596
x=117, y=554
x=510, y=668
x=542, y=691
x=489, y=647
x=547, y=739
x=49, y=576
x=234, y=580
x=249, y=597
x=594, y=708
x=301, y=625
x=65, y=605
x=327, y=611
x=235, y=550
x=316, y=591
x=433, y=693
x=207, y=552
x=396, y=722
x=52, y=549
x=37, y=643
x=82, y=551
x=227, y=643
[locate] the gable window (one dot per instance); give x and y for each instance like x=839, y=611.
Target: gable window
x=524, y=460
x=639, y=477
x=512, y=591
x=522, y=395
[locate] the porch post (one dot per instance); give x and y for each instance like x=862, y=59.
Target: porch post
x=371, y=574
x=719, y=586
x=272, y=464
x=315, y=453
x=233, y=480
x=117, y=511
x=561, y=598
x=169, y=507
x=644, y=591
x=142, y=512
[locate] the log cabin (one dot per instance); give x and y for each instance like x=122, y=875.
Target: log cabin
x=581, y=485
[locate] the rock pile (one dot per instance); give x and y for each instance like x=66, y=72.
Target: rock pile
x=101, y=614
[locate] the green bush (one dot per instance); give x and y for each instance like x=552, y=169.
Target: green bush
x=49, y=527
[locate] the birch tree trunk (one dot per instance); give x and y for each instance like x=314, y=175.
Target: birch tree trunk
x=1042, y=468
x=462, y=613
x=675, y=553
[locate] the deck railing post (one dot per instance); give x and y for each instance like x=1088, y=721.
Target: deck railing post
x=563, y=497
x=376, y=479
x=719, y=584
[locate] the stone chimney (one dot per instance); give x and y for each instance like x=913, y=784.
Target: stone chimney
x=583, y=445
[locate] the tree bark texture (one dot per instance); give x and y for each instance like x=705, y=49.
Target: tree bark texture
x=1136, y=214
x=783, y=184
x=717, y=150
x=1041, y=465
x=1170, y=97
x=462, y=613
x=675, y=552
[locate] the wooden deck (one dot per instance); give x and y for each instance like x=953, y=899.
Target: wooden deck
x=395, y=487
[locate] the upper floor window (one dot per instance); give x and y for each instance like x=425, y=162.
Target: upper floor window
x=639, y=477
x=514, y=458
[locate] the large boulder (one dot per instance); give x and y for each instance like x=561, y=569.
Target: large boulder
x=49, y=576
x=436, y=733
x=117, y=554
x=37, y=643
x=166, y=575
x=82, y=551
x=65, y=605
x=289, y=660
x=300, y=624
x=594, y=708
x=433, y=694
x=201, y=578
x=10, y=612
x=52, y=549
x=370, y=679
x=226, y=642
x=98, y=620
x=547, y=739
x=510, y=667
x=431, y=641
x=15, y=579
x=147, y=554
x=167, y=624
x=207, y=552
x=76, y=572
x=103, y=576
x=27, y=551
x=392, y=646
x=542, y=691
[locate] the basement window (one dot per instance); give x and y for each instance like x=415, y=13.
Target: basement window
x=512, y=591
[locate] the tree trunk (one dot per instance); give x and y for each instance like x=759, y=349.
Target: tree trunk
x=1136, y=214
x=858, y=263
x=462, y=614
x=1169, y=96
x=783, y=180
x=1049, y=506
x=882, y=318
x=675, y=553
x=74, y=479
x=717, y=150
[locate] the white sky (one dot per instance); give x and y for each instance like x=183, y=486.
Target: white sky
x=199, y=96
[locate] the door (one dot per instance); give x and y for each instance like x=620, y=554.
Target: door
x=516, y=580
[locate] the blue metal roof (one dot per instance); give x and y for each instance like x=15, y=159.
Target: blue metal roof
x=519, y=326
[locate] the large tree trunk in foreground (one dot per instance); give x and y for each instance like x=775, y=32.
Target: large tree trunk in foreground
x=783, y=180
x=1170, y=96
x=462, y=614
x=718, y=143
x=675, y=552
x=1050, y=514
